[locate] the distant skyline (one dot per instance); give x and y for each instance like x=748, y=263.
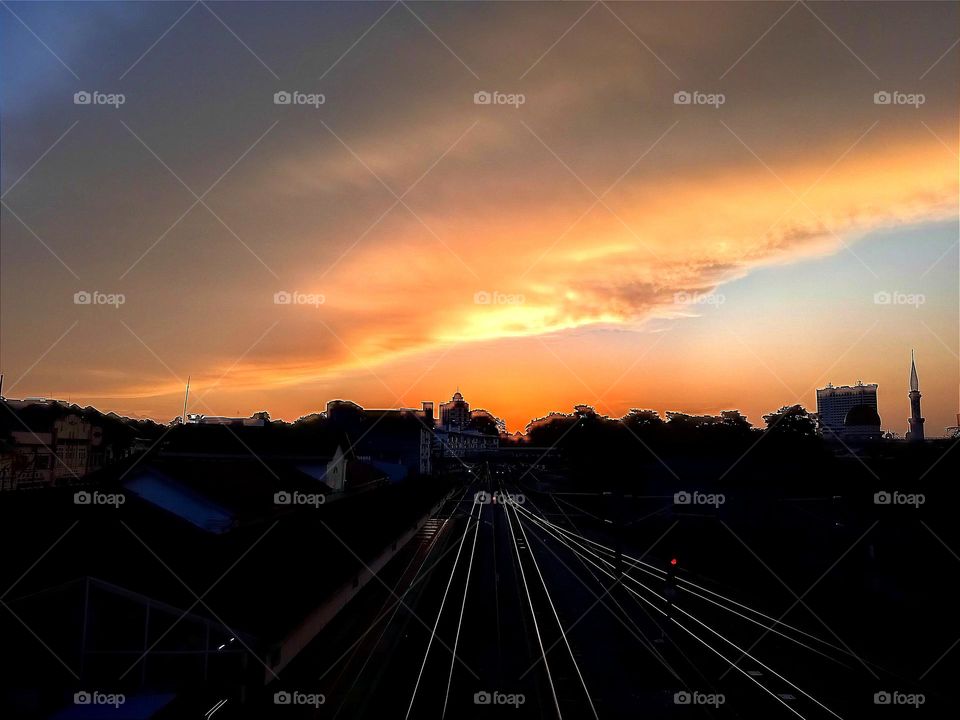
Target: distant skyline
x=600, y=242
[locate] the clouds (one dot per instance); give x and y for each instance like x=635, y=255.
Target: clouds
x=595, y=203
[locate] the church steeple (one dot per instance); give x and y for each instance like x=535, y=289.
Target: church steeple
x=915, y=434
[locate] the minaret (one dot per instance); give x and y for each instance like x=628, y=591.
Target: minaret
x=915, y=433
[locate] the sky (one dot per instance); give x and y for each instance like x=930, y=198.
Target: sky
x=585, y=237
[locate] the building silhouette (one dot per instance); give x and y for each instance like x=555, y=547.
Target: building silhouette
x=861, y=424
x=848, y=411
x=398, y=441
x=954, y=430
x=915, y=433
x=455, y=414
x=48, y=443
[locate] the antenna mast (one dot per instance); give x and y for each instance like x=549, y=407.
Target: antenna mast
x=185, y=396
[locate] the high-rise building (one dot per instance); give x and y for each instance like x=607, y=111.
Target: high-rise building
x=954, y=430
x=456, y=413
x=915, y=433
x=835, y=403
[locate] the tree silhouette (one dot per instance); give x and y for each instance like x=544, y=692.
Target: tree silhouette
x=791, y=420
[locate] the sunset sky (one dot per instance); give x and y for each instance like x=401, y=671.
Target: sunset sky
x=635, y=252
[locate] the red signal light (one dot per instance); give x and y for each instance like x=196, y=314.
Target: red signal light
x=673, y=561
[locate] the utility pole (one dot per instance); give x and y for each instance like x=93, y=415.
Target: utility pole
x=670, y=591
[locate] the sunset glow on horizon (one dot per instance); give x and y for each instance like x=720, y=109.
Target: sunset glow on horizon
x=599, y=243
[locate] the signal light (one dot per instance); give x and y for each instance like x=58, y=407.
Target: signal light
x=673, y=561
